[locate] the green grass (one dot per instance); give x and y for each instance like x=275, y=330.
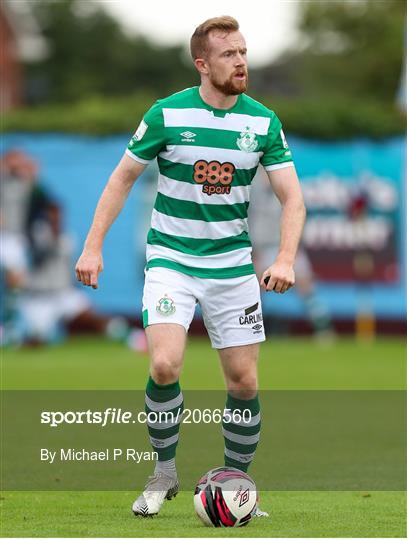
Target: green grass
x=293, y=514
x=89, y=363
x=291, y=364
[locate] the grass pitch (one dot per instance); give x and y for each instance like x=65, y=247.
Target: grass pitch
x=289, y=364
x=292, y=514
x=284, y=364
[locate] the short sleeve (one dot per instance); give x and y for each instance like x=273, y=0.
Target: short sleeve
x=148, y=140
x=277, y=154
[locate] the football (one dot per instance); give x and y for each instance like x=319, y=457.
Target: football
x=225, y=497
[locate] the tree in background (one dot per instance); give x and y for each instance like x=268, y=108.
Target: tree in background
x=90, y=54
x=345, y=74
x=352, y=49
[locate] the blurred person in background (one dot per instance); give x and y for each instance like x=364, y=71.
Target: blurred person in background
x=20, y=201
x=51, y=304
x=40, y=302
x=264, y=220
x=13, y=276
x=20, y=195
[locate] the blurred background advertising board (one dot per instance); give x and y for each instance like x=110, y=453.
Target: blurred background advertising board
x=354, y=194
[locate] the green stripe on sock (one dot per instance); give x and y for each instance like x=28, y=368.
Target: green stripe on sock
x=242, y=430
x=162, y=392
x=240, y=448
x=229, y=462
x=163, y=433
x=166, y=453
x=240, y=405
x=234, y=403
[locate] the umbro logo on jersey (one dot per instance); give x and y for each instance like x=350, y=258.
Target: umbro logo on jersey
x=188, y=136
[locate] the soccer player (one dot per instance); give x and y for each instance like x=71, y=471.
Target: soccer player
x=209, y=141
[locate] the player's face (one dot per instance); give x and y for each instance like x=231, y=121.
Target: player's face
x=227, y=62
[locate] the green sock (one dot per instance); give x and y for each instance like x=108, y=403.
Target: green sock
x=164, y=430
x=241, y=431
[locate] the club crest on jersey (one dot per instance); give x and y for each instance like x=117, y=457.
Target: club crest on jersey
x=165, y=305
x=247, y=141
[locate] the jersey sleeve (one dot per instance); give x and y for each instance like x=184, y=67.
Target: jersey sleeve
x=148, y=140
x=277, y=154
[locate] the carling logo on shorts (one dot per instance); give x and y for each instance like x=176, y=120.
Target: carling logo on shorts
x=250, y=317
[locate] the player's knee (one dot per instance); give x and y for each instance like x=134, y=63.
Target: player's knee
x=163, y=371
x=243, y=384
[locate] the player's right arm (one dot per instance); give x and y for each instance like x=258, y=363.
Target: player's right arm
x=112, y=200
x=143, y=147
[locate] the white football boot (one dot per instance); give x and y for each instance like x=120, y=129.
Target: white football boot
x=257, y=512
x=260, y=513
x=158, y=488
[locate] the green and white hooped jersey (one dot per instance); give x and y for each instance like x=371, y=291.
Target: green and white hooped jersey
x=207, y=159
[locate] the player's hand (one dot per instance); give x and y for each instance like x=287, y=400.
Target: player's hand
x=279, y=277
x=88, y=268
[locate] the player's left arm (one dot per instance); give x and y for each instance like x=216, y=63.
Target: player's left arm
x=286, y=186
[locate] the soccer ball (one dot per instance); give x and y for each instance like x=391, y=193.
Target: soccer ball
x=225, y=497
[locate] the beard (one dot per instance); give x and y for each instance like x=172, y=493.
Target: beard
x=230, y=87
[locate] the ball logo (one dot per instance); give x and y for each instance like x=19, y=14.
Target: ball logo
x=214, y=176
x=244, y=497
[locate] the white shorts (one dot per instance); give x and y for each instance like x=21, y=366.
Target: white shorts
x=231, y=308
